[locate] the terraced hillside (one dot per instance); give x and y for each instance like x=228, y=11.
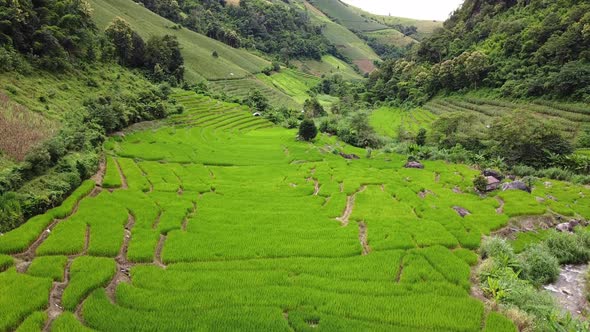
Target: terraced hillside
x=343, y=14
x=329, y=65
x=196, y=49
x=394, y=122
x=293, y=83
x=215, y=220
x=240, y=88
x=349, y=44
x=569, y=118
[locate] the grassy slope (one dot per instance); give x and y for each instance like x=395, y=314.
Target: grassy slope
x=292, y=83
x=196, y=48
x=329, y=65
x=343, y=14
x=349, y=44
x=389, y=121
x=568, y=118
x=67, y=91
x=391, y=37
x=425, y=27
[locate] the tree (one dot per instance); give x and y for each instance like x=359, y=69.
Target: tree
x=313, y=108
x=165, y=52
x=522, y=138
x=257, y=100
x=129, y=46
x=307, y=130
x=421, y=137
x=461, y=128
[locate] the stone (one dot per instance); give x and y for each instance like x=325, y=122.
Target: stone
x=493, y=173
x=516, y=185
x=414, y=164
x=349, y=156
x=461, y=211
x=564, y=227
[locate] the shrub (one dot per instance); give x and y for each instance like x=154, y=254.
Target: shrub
x=567, y=248
x=480, y=183
x=307, y=130
x=421, y=137
x=497, y=248
x=539, y=265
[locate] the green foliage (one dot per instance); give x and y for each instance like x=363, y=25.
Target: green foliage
x=454, y=128
x=35, y=322
x=5, y=262
x=567, y=248
x=307, y=130
x=48, y=267
x=257, y=101
x=496, y=247
x=313, y=108
x=497, y=322
x=86, y=274
x=67, y=322
x=522, y=138
x=480, y=183
x=21, y=296
x=54, y=33
x=421, y=137
x=286, y=30
x=539, y=265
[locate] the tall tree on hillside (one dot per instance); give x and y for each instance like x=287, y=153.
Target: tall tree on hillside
x=129, y=46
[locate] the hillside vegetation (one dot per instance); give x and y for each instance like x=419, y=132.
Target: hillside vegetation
x=518, y=48
x=345, y=41
x=196, y=49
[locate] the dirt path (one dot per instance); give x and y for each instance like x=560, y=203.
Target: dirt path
x=316, y=186
x=190, y=215
x=124, y=184
x=24, y=258
x=569, y=289
x=99, y=176
x=123, y=265
x=500, y=209
x=157, y=221
x=158, y=253
x=349, y=207
x=55, y=308
x=363, y=238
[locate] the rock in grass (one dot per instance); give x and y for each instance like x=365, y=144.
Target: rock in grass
x=564, y=227
x=414, y=164
x=461, y=211
x=493, y=173
x=516, y=185
x=349, y=156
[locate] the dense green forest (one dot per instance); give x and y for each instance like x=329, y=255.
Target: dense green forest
x=271, y=27
x=520, y=49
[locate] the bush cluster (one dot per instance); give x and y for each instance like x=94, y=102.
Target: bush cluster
x=513, y=280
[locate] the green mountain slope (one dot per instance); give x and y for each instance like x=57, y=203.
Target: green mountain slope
x=347, y=43
x=196, y=49
x=424, y=28
x=343, y=14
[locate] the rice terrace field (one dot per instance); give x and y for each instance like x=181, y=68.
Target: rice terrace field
x=217, y=220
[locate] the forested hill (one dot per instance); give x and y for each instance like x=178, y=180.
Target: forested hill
x=518, y=48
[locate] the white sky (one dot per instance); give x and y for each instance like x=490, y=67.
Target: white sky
x=419, y=9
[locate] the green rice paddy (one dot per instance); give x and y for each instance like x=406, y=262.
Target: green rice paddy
x=392, y=122
x=217, y=220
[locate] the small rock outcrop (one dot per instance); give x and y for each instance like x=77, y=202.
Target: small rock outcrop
x=414, y=164
x=461, y=211
x=493, y=173
x=516, y=185
x=351, y=156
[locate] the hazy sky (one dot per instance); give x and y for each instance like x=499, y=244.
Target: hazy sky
x=420, y=9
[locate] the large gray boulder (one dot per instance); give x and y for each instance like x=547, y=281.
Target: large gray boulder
x=516, y=185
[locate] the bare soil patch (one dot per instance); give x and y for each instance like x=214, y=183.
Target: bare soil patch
x=363, y=238
x=158, y=253
x=365, y=65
